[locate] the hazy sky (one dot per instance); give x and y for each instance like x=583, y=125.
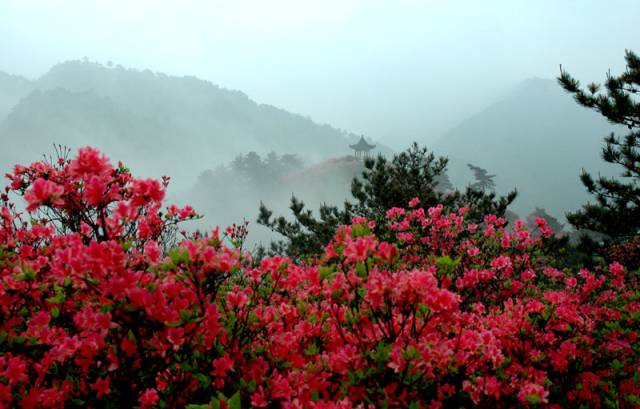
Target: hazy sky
x=394, y=70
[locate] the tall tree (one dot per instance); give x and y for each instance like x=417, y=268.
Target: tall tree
x=484, y=181
x=616, y=210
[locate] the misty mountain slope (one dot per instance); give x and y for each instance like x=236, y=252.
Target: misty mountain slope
x=199, y=107
x=12, y=89
x=536, y=139
x=231, y=194
x=77, y=119
x=158, y=124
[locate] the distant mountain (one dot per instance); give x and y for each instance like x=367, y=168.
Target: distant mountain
x=12, y=89
x=537, y=138
x=157, y=124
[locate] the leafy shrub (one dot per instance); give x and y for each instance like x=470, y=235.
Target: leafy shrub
x=441, y=313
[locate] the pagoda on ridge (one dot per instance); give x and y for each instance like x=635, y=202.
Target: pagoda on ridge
x=362, y=149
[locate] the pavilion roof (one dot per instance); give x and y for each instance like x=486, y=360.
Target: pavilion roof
x=362, y=145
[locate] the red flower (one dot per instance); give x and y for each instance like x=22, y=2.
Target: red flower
x=358, y=249
x=145, y=191
x=533, y=393
x=16, y=371
x=414, y=202
x=101, y=386
x=128, y=346
x=43, y=192
x=95, y=191
x=221, y=366
x=75, y=302
x=90, y=161
x=258, y=399
x=149, y=398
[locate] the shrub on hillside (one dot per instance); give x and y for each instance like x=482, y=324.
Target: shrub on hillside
x=441, y=313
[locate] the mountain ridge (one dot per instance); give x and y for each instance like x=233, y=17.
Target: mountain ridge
x=171, y=120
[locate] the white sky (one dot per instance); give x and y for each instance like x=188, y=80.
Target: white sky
x=394, y=70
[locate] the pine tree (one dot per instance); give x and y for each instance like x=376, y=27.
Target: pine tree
x=484, y=181
x=616, y=210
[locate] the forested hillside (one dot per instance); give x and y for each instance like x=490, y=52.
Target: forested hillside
x=12, y=89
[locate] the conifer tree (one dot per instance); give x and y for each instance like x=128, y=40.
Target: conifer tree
x=484, y=181
x=616, y=210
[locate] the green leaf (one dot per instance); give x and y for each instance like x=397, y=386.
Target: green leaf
x=359, y=230
x=93, y=281
x=533, y=399
x=126, y=246
x=57, y=299
x=382, y=352
x=215, y=403
x=185, y=316
x=24, y=311
x=55, y=312
x=446, y=265
x=179, y=255
x=326, y=272
x=27, y=274
x=312, y=350
x=234, y=402
x=205, y=381
x=423, y=310
x=617, y=365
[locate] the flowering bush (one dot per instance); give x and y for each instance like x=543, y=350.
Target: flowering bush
x=438, y=313
x=627, y=252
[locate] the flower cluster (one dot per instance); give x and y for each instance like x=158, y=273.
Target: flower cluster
x=436, y=312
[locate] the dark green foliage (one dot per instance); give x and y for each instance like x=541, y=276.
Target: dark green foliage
x=616, y=210
x=256, y=172
x=480, y=203
x=307, y=235
x=382, y=185
x=385, y=184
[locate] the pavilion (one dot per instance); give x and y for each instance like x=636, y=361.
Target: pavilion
x=362, y=149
